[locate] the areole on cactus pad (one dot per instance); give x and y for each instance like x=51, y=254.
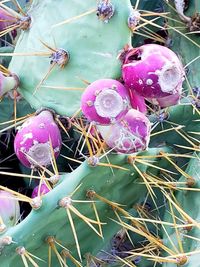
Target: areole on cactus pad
x=10, y=20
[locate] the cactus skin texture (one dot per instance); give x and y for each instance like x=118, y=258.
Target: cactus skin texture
x=104, y=207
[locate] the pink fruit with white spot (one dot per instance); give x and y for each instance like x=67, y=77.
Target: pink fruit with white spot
x=40, y=190
x=154, y=72
x=36, y=139
x=105, y=101
x=129, y=135
x=9, y=209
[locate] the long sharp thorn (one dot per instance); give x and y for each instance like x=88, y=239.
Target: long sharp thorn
x=75, y=18
x=74, y=233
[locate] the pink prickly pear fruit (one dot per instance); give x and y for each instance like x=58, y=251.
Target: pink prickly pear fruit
x=129, y=135
x=105, y=101
x=153, y=71
x=8, y=83
x=9, y=209
x=36, y=139
x=40, y=190
x=6, y=19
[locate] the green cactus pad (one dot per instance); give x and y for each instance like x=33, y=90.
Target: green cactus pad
x=50, y=220
x=93, y=46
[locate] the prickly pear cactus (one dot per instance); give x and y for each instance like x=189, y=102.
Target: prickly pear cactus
x=99, y=133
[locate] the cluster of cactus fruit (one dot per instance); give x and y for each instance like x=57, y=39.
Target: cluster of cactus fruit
x=102, y=98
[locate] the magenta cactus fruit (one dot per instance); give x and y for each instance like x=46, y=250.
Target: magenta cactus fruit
x=40, y=190
x=9, y=209
x=154, y=72
x=36, y=139
x=129, y=135
x=105, y=101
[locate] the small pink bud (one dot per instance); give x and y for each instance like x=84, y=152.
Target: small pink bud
x=40, y=190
